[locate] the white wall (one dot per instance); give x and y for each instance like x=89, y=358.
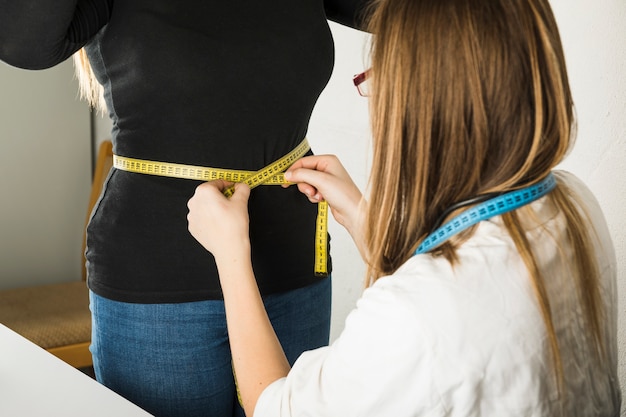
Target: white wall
x=45, y=176
x=593, y=34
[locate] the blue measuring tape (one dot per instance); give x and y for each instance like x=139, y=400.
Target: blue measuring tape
x=490, y=208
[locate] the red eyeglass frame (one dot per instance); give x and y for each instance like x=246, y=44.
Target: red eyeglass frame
x=359, y=79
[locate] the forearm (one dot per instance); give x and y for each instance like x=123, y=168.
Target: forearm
x=355, y=226
x=258, y=357
x=37, y=34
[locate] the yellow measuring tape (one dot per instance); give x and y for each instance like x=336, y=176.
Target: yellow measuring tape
x=269, y=175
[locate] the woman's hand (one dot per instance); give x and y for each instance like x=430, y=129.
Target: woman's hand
x=221, y=224
x=323, y=177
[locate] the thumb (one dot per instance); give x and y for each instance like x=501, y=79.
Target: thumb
x=241, y=192
x=305, y=175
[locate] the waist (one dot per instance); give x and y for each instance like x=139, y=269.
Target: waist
x=271, y=174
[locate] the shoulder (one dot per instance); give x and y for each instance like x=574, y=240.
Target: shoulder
x=590, y=208
x=582, y=195
x=584, y=198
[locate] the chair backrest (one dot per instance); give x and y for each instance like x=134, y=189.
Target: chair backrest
x=104, y=162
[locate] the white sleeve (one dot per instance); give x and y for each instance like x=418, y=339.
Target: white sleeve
x=382, y=355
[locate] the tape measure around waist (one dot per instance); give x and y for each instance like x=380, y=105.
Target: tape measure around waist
x=272, y=174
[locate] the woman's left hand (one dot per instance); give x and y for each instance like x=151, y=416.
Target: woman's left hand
x=219, y=223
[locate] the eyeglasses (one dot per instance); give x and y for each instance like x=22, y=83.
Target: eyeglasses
x=361, y=83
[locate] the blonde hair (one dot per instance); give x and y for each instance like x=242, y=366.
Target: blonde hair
x=88, y=86
x=469, y=97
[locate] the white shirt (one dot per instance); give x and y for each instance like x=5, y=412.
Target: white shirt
x=432, y=340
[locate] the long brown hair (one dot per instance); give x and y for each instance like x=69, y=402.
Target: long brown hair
x=469, y=97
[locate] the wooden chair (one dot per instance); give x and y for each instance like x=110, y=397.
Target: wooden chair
x=56, y=316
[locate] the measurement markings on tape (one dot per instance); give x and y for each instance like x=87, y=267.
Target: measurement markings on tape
x=321, y=238
x=275, y=169
x=272, y=174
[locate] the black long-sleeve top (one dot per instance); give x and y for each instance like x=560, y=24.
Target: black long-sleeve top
x=225, y=84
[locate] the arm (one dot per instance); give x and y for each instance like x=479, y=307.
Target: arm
x=323, y=177
x=346, y=12
x=221, y=226
x=37, y=34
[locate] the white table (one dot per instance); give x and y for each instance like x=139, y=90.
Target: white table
x=35, y=383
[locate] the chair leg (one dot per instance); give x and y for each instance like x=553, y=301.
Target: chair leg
x=77, y=355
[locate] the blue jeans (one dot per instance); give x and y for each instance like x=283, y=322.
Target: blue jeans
x=174, y=359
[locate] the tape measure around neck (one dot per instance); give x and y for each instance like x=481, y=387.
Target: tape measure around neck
x=490, y=208
x=272, y=174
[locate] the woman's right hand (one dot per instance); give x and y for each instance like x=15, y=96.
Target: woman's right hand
x=323, y=177
x=221, y=224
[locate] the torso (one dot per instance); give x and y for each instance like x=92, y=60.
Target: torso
x=220, y=84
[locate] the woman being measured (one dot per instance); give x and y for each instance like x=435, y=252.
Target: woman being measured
x=491, y=276
x=194, y=89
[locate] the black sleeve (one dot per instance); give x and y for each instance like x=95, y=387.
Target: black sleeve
x=37, y=34
x=346, y=12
